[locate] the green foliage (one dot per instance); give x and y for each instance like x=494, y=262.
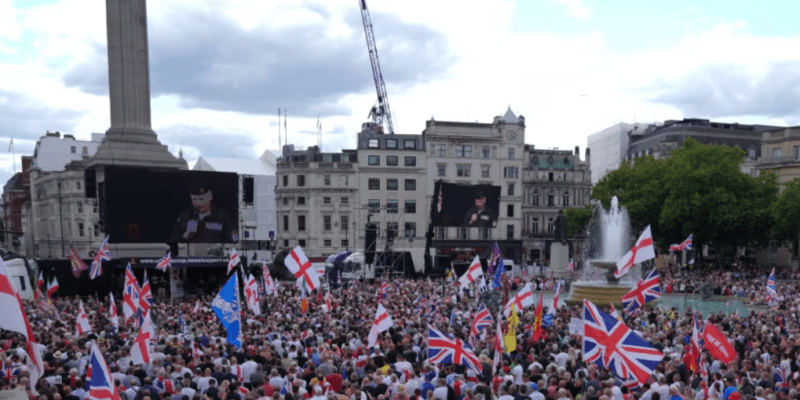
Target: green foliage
x=577, y=219
x=786, y=212
x=699, y=190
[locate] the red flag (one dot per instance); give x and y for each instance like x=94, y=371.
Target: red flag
x=538, y=332
x=718, y=344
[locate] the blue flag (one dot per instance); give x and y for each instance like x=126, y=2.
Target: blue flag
x=226, y=306
x=452, y=316
x=501, y=269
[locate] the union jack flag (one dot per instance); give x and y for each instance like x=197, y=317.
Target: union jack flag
x=675, y=247
x=781, y=375
x=10, y=373
x=612, y=345
x=687, y=244
x=482, y=319
x=97, y=264
x=443, y=349
x=772, y=291
x=571, y=265
x=645, y=291
x=102, y=386
x=165, y=262
x=384, y=288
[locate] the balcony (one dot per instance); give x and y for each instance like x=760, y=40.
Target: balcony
x=772, y=162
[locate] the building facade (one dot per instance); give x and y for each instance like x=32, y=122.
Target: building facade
x=478, y=154
x=553, y=180
x=610, y=147
x=16, y=192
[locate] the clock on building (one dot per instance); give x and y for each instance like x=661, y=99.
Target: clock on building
x=511, y=135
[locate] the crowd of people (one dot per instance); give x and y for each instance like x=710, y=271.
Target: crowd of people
x=322, y=353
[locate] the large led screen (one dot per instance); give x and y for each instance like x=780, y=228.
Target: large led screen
x=468, y=206
x=144, y=205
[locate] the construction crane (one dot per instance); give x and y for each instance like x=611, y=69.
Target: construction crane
x=380, y=114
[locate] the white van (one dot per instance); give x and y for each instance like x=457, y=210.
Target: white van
x=19, y=276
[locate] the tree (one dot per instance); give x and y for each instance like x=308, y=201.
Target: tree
x=577, y=219
x=786, y=213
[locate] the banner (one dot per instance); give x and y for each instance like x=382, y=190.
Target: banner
x=717, y=344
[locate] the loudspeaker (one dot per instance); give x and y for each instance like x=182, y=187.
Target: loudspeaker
x=369, y=243
x=90, y=183
x=247, y=188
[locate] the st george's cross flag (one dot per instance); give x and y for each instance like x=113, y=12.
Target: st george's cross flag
x=474, y=272
x=82, y=321
x=226, y=306
x=234, y=260
x=522, y=299
x=382, y=322
x=251, y=293
x=102, y=384
x=645, y=291
x=554, y=304
x=609, y=343
x=269, y=284
x=112, y=311
x=641, y=251
x=140, y=350
x=298, y=264
x=443, y=349
x=39, y=286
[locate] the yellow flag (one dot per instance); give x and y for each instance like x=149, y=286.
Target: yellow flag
x=510, y=338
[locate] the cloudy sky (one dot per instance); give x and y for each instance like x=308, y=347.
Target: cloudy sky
x=220, y=69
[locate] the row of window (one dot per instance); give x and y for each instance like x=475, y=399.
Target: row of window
x=301, y=201
x=391, y=184
x=328, y=243
x=326, y=180
x=465, y=151
x=777, y=154
x=465, y=170
x=391, y=160
x=551, y=228
x=392, y=143
x=440, y=233
x=551, y=200
x=344, y=220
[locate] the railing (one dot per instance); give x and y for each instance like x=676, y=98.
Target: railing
x=345, y=166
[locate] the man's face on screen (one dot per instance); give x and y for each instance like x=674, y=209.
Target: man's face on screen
x=202, y=202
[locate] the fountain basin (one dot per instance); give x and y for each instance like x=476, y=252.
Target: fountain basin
x=598, y=292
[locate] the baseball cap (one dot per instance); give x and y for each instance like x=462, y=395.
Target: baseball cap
x=199, y=188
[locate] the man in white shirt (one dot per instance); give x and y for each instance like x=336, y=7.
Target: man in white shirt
x=535, y=393
x=616, y=392
x=440, y=392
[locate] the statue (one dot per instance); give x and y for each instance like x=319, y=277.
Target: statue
x=561, y=228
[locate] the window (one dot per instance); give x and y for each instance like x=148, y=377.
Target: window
x=440, y=149
x=409, y=144
x=411, y=229
x=302, y=242
x=486, y=233
x=391, y=206
x=550, y=200
x=374, y=160
x=326, y=180
x=327, y=243
x=326, y=200
x=462, y=170
x=440, y=232
x=411, y=206
x=391, y=230
x=80, y=207
x=344, y=220
x=301, y=180
x=285, y=222
x=22, y=283
x=550, y=175
x=565, y=199
x=391, y=160
x=78, y=184
x=374, y=205
x=285, y=180
x=326, y=222
x=510, y=210
x=391, y=143
x=411, y=161
x=411, y=184
x=510, y=189
x=463, y=150
x=374, y=184
x=535, y=225
x=345, y=200
x=510, y=231
x=96, y=230
x=285, y=242
x=797, y=152
x=373, y=143
x=511, y=172
x=301, y=223
x=285, y=200
x=440, y=169
x=73, y=149
x=345, y=243
x=391, y=184
x=301, y=201
x=463, y=233
x=80, y=229
x=485, y=151
x=484, y=171
x=550, y=227
x=535, y=199
x=510, y=153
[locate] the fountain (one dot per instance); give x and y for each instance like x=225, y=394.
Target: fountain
x=610, y=234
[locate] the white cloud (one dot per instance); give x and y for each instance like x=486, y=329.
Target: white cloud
x=577, y=9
